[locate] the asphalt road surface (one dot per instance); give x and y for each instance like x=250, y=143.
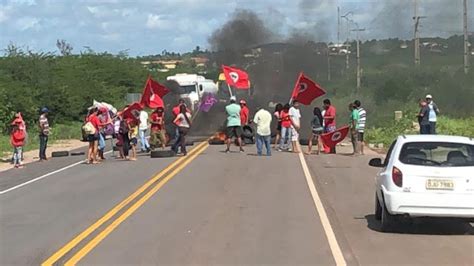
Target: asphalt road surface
x=212, y=208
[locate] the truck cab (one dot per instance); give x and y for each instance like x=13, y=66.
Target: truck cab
x=193, y=87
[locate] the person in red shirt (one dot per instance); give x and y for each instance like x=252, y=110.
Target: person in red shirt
x=17, y=140
x=93, y=138
x=329, y=122
x=244, y=113
x=285, y=127
x=157, y=134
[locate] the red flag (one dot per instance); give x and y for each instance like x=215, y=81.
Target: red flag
x=306, y=90
x=153, y=93
x=132, y=111
x=333, y=138
x=236, y=77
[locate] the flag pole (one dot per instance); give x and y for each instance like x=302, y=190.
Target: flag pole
x=296, y=84
x=230, y=90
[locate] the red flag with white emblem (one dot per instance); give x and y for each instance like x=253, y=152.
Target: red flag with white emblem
x=132, y=112
x=153, y=93
x=306, y=90
x=333, y=138
x=236, y=77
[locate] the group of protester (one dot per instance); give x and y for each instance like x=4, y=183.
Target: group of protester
x=288, y=126
x=427, y=116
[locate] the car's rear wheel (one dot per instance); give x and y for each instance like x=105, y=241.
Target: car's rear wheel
x=387, y=221
x=378, y=208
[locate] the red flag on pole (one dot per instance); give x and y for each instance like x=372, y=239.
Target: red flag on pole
x=236, y=77
x=153, y=93
x=306, y=90
x=132, y=112
x=333, y=138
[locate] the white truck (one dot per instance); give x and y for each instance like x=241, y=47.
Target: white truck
x=193, y=87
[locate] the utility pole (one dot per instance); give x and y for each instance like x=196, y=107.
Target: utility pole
x=346, y=17
x=357, y=30
x=329, y=66
x=338, y=25
x=466, y=41
x=417, y=18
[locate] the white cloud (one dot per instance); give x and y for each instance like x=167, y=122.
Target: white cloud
x=26, y=23
x=111, y=36
x=157, y=22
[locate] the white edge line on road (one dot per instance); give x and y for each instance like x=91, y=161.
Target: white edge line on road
x=335, y=249
x=43, y=176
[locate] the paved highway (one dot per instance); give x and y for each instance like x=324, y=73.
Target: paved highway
x=212, y=208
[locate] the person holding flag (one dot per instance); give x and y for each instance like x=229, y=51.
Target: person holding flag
x=329, y=122
x=234, y=128
x=295, y=117
x=157, y=135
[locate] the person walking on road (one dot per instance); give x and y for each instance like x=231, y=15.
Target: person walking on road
x=105, y=121
x=277, y=115
x=157, y=132
x=285, y=128
x=353, y=123
x=360, y=126
x=434, y=112
x=143, y=128
x=263, y=120
x=423, y=118
x=92, y=129
x=295, y=117
x=316, y=130
x=329, y=120
x=43, y=133
x=183, y=120
x=234, y=128
x=176, y=111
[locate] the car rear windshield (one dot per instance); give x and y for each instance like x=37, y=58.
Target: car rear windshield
x=437, y=154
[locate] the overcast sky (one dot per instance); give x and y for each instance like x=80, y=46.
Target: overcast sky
x=150, y=26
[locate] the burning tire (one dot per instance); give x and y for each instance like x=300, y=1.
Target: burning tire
x=216, y=142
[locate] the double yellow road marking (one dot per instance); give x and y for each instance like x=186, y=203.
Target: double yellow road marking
x=178, y=165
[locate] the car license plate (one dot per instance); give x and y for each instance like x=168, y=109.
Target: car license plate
x=439, y=184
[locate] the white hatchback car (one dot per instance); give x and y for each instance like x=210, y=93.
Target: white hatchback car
x=425, y=176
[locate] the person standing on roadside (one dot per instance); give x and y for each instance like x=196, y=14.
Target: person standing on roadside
x=353, y=123
x=285, y=128
x=263, y=120
x=316, y=130
x=295, y=117
x=17, y=140
x=360, y=126
x=143, y=128
x=277, y=115
x=244, y=113
x=234, y=128
x=424, y=118
x=157, y=134
x=124, y=135
x=183, y=120
x=176, y=111
x=43, y=133
x=329, y=120
x=434, y=112
x=105, y=121
x=133, y=136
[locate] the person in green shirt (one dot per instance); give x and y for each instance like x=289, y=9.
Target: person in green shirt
x=234, y=128
x=353, y=124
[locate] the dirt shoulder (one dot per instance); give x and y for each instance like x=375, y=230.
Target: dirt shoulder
x=32, y=155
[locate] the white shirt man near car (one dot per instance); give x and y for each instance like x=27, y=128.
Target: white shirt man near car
x=142, y=129
x=360, y=126
x=434, y=112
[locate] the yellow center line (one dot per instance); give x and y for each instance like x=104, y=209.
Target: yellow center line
x=103, y=234
x=71, y=244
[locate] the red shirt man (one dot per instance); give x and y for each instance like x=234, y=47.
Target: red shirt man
x=329, y=116
x=244, y=113
x=285, y=118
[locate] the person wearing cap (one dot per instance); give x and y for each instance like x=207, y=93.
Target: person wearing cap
x=244, y=113
x=43, y=133
x=234, y=128
x=434, y=112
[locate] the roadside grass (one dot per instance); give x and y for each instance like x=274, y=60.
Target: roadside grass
x=445, y=126
x=70, y=130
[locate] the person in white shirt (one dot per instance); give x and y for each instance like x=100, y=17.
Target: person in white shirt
x=295, y=117
x=434, y=112
x=142, y=129
x=263, y=119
